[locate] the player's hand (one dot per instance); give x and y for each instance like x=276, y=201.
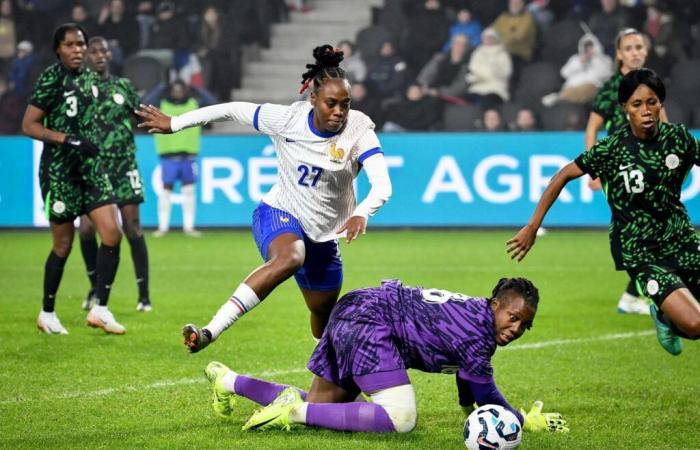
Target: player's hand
x=521, y=243
x=595, y=184
x=84, y=146
x=153, y=119
x=536, y=420
x=353, y=227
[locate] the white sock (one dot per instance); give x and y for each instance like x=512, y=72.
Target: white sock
x=243, y=300
x=189, y=203
x=298, y=414
x=164, y=206
x=229, y=381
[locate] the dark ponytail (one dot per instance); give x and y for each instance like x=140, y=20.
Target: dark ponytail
x=327, y=65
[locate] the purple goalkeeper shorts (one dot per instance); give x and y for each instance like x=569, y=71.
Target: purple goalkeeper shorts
x=357, y=350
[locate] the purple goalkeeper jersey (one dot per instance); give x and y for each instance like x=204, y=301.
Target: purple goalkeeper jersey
x=441, y=331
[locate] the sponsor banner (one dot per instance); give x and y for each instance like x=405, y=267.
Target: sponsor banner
x=439, y=179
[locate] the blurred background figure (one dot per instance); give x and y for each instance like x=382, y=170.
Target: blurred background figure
x=415, y=112
x=388, y=77
x=24, y=69
x=443, y=76
x=11, y=108
x=220, y=54
x=492, y=120
x=467, y=24
x=178, y=160
x=490, y=68
x=525, y=120
x=584, y=73
x=518, y=32
x=353, y=65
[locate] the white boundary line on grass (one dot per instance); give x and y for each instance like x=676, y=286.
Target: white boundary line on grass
x=273, y=373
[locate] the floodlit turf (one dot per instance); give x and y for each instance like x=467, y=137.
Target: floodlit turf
x=604, y=371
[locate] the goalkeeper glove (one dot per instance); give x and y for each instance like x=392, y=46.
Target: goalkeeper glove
x=536, y=420
x=84, y=146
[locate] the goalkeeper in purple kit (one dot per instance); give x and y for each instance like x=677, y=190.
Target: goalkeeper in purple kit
x=374, y=335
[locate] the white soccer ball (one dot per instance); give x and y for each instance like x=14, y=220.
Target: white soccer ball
x=492, y=427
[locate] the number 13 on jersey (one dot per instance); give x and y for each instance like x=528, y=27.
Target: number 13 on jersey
x=634, y=181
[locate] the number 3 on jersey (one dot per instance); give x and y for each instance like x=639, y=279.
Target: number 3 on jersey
x=634, y=181
x=314, y=173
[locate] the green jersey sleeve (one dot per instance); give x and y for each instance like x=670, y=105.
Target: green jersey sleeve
x=46, y=91
x=594, y=160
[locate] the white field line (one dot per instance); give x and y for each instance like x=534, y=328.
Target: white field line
x=273, y=373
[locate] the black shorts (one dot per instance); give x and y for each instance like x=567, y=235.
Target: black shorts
x=657, y=280
x=72, y=184
x=126, y=180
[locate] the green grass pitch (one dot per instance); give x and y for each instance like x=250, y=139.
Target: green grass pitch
x=604, y=371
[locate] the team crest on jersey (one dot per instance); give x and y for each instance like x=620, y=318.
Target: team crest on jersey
x=336, y=153
x=672, y=161
x=653, y=287
x=58, y=207
x=95, y=91
x=118, y=98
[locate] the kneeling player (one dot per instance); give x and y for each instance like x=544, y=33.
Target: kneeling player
x=374, y=335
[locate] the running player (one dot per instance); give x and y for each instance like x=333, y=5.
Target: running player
x=321, y=145
x=630, y=54
x=642, y=168
x=374, y=335
x=116, y=102
x=61, y=113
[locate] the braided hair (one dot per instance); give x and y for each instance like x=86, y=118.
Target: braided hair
x=327, y=66
x=520, y=286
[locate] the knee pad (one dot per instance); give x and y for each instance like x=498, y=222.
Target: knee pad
x=399, y=402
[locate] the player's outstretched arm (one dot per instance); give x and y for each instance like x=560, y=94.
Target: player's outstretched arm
x=536, y=420
x=521, y=243
x=154, y=120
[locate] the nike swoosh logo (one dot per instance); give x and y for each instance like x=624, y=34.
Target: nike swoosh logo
x=622, y=167
x=66, y=94
x=289, y=140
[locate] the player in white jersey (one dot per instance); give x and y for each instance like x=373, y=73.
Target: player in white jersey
x=321, y=145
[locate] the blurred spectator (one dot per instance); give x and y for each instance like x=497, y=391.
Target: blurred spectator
x=178, y=160
x=445, y=74
x=542, y=14
x=525, y=120
x=120, y=29
x=490, y=68
x=415, y=112
x=465, y=24
x=145, y=16
x=352, y=64
x=584, y=73
x=11, y=109
x=368, y=104
x=607, y=22
x=24, y=69
x=518, y=31
x=8, y=33
x=666, y=49
x=219, y=52
x=388, y=77
x=492, y=120
x=80, y=15
x=168, y=31
x=425, y=34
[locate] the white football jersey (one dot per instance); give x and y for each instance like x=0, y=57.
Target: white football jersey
x=315, y=169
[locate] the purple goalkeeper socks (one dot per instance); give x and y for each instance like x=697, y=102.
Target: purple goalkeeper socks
x=259, y=391
x=356, y=416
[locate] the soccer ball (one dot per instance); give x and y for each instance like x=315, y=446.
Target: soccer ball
x=492, y=427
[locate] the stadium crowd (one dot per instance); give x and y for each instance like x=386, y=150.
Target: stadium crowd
x=422, y=65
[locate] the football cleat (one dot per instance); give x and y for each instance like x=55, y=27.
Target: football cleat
x=222, y=400
x=667, y=338
x=90, y=300
x=49, y=323
x=195, y=339
x=192, y=233
x=159, y=233
x=276, y=414
x=629, y=304
x=144, y=305
x=101, y=317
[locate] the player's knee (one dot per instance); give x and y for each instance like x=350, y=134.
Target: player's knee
x=62, y=247
x=132, y=229
x=288, y=262
x=403, y=418
x=111, y=235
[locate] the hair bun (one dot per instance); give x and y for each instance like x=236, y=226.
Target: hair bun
x=327, y=56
